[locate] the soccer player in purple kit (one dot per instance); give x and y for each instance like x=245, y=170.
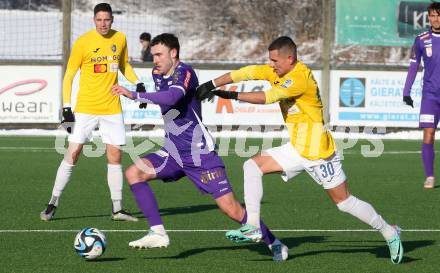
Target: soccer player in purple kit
x=427, y=46
x=189, y=149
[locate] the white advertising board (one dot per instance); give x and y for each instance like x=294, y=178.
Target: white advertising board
x=372, y=98
x=30, y=94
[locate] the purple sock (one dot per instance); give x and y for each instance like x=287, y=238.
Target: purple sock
x=268, y=237
x=146, y=202
x=428, y=159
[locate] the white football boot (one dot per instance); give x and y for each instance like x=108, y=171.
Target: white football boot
x=279, y=251
x=122, y=215
x=429, y=183
x=151, y=240
x=48, y=213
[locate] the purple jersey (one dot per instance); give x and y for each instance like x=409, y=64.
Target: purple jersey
x=426, y=46
x=184, y=132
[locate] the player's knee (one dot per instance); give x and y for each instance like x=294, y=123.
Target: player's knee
x=250, y=166
x=72, y=157
x=133, y=174
x=113, y=156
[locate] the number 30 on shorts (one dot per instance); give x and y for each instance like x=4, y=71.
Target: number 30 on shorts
x=327, y=169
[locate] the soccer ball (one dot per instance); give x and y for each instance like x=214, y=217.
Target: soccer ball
x=90, y=243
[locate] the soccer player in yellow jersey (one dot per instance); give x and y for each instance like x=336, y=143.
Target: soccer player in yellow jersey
x=311, y=147
x=99, y=53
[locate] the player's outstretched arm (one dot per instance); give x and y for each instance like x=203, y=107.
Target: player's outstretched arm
x=118, y=90
x=251, y=97
x=169, y=97
x=204, y=91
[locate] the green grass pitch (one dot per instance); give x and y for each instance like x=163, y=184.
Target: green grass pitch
x=308, y=223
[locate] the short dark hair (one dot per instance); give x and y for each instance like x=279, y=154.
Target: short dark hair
x=283, y=42
x=434, y=6
x=102, y=7
x=167, y=39
x=145, y=36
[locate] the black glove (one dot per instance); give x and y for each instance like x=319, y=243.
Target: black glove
x=203, y=91
x=408, y=101
x=68, y=119
x=140, y=87
x=226, y=94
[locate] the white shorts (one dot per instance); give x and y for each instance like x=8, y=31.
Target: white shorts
x=327, y=173
x=111, y=128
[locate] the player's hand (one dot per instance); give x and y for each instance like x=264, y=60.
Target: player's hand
x=68, y=119
x=408, y=101
x=120, y=90
x=204, y=91
x=140, y=87
x=226, y=94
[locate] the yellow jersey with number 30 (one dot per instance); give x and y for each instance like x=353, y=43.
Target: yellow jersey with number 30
x=298, y=95
x=99, y=58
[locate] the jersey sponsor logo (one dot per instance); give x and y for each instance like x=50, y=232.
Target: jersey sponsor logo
x=100, y=68
x=287, y=83
x=427, y=41
x=113, y=47
x=114, y=67
x=207, y=176
x=104, y=58
x=223, y=182
x=424, y=118
x=96, y=50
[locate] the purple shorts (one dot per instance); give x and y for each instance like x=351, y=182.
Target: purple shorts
x=209, y=176
x=429, y=113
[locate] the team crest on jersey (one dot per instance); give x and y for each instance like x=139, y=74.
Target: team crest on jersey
x=287, y=83
x=113, y=47
x=176, y=76
x=428, y=51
